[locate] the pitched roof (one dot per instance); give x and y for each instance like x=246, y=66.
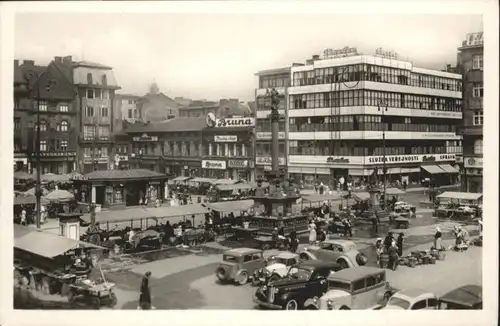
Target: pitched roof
x=18, y=74
x=58, y=76
x=172, y=125
x=133, y=174
x=91, y=65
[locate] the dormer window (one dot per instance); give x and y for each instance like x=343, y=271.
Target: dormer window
x=104, y=80
x=89, y=78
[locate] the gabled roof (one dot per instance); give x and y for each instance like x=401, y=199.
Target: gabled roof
x=58, y=76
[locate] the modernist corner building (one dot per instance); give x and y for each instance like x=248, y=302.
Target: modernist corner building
x=341, y=106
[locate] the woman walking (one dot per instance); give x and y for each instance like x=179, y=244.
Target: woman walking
x=438, y=245
x=312, y=232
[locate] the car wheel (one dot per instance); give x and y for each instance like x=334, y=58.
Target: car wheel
x=292, y=304
x=221, y=274
x=361, y=259
x=343, y=264
x=344, y=308
x=274, y=278
x=304, y=257
x=242, y=278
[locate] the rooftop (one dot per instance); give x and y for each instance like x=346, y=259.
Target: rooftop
x=91, y=65
x=241, y=251
x=273, y=71
x=172, y=125
x=135, y=174
x=414, y=293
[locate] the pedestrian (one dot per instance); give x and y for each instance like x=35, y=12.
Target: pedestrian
x=380, y=250
x=393, y=255
x=375, y=224
x=145, y=298
x=400, y=244
x=294, y=242
x=438, y=245
x=312, y=232
x=23, y=216
x=388, y=241
x=347, y=227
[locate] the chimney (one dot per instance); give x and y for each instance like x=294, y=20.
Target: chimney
x=315, y=57
x=28, y=62
x=309, y=61
x=16, y=63
x=58, y=59
x=67, y=60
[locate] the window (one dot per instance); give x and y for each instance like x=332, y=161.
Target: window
x=87, y=152
x=17, y=124
x=63, y=126
x=130, y=102
x=477, y=118
x=104, y=79
x=89, y=78
x=104, y=132
x=43, y=125
x=88, y=132
x=42, y=106
x=63, y=108
x=477, y=62
x=62, y=145
x=359, y=285
x=89, y=111
x=104, y=151
x=419, y=305
x=90, y=93
x=105, y=94
x=130, y=113
x=104, y=112
x=477, y=90
x=247, y=258
x=478, y=146
x=432, y=302
x=43, y=145
x=371, y=281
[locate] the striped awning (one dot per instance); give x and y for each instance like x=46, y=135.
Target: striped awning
x=433, y=169
x=448, y=168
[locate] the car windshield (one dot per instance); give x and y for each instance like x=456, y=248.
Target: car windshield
x=284, y=261
x=395, y=301
x=299, y=273
x=229, y=258
x=339, y=285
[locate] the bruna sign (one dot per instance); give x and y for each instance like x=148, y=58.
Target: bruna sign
x=234, y=122
x=210, y=164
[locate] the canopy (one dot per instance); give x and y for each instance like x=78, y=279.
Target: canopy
x=460, y=195
x=226, y=182
x=44, y=244
x=361, y=195
x=32, y=192
x=179, y=179
x=50, y=177
x=467, y=295
x=394, y=191
x=324, y=197
x=203, y=180
x=231, y=206
x=238, y=186
x=433, y=169
x=448, y=168
x=21, y=175
x=29, y=200
x=60, y=195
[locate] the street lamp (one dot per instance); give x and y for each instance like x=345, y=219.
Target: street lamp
x=382, y=107
x=140, y=158
x=38, y=191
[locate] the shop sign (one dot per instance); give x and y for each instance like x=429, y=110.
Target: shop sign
x=411, y=158
x=226, y=138
x=473, y=39
x=90, y=160
x=263, y=160
x=380, y=52
x=145, y=138
x=268, y=135
x=210, y=164
x=339, y=53
x=237, y=163
x=340, y=160
x=473, y=162
x=235, y=122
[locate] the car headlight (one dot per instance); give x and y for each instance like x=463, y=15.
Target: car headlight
x=329, y=304
x=267, y=272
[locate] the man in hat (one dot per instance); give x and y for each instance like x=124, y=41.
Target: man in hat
x=145, y=298
x=400, y=244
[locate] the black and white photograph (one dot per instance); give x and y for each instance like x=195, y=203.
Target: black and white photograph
x=249, y=157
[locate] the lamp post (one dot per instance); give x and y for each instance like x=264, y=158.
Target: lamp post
x=140, y=158
x=38, y=191
x=382, y=107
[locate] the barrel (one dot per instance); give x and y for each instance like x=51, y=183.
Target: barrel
x=384, y=260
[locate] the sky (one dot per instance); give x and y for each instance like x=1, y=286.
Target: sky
x=216, y=55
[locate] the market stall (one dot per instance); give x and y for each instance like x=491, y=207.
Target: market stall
x=231, y=206
x=460, y=205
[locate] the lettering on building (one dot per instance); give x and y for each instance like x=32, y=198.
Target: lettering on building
x=380, y=52
x=235, y=122
x=429, y=159
x=217, y=165
x=265, y=160
x=237, y=163
x=473, y=39
x=339, y=53
x=145, y=137
x=341, y=160
x=268, y=135
x=226, y=139
x=411, y=158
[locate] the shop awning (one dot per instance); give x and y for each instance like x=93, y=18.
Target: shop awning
x=394, y=191
x=231, y=206
x=119, y=215
x=226, y=182
x=320, y=198
x=460, y=195
x=362, y=195
x=175, y=211
x=125, y=175
x=238, y=186
x=29, y=200
x=43, y=243
x=56, y=177
x=180, y=179
x=433, y=169
x=448, y=168
x=360, y=172
x=410, y=170
x=203, y=180
x=20, y=175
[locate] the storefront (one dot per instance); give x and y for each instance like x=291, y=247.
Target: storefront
x=216, y=169
x=239, y=169
x=472, y=174
x=120, y=187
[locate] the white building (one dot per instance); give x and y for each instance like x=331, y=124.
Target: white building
x=127, y=107
x=336, y=127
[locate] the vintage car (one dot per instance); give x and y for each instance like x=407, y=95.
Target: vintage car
x=343, y=252
x=412, y=299
x=304, y=281
x=354, y=288
x=277, y=268
x=463, y=298
x=239, y=265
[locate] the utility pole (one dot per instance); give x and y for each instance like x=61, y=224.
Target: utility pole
x=382, y=107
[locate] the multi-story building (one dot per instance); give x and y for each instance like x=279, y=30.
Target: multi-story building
x=96, y=86
x=341, y=108
x=125, y=108
x=156, y=106
x=470, y=64
x=278, y=79
x=223, y=108
x=52, y=96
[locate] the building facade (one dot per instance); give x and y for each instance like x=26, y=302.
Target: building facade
x=156, y=106
x=52, y=96
x=341, y=108
x=470, y=64
x=96, y=86
x=223, y=108
x=126, y=108
x=278, y=79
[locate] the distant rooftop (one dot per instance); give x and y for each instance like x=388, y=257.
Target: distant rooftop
x=91, y=65
x=273, y=71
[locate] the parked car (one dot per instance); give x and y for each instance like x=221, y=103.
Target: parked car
x=412, y=299
x=304, y=281
x=239, y=265
x=355, y=288
x=463, y=298
x=343, y=252
x=277, y=268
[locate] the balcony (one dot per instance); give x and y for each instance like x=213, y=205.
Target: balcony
x=470, y=131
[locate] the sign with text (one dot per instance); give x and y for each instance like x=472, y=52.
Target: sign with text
x=338, y=160
x=146, y=138
x=339, y=53
x=391, y=159
x=226, y=138
x=380, y=52
x=473, y=39
x=234, y=122
x=99, y=160
x=216, y=165
x=263, y=160
x=473, y=162
x=237, y=163
x=268, y=135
